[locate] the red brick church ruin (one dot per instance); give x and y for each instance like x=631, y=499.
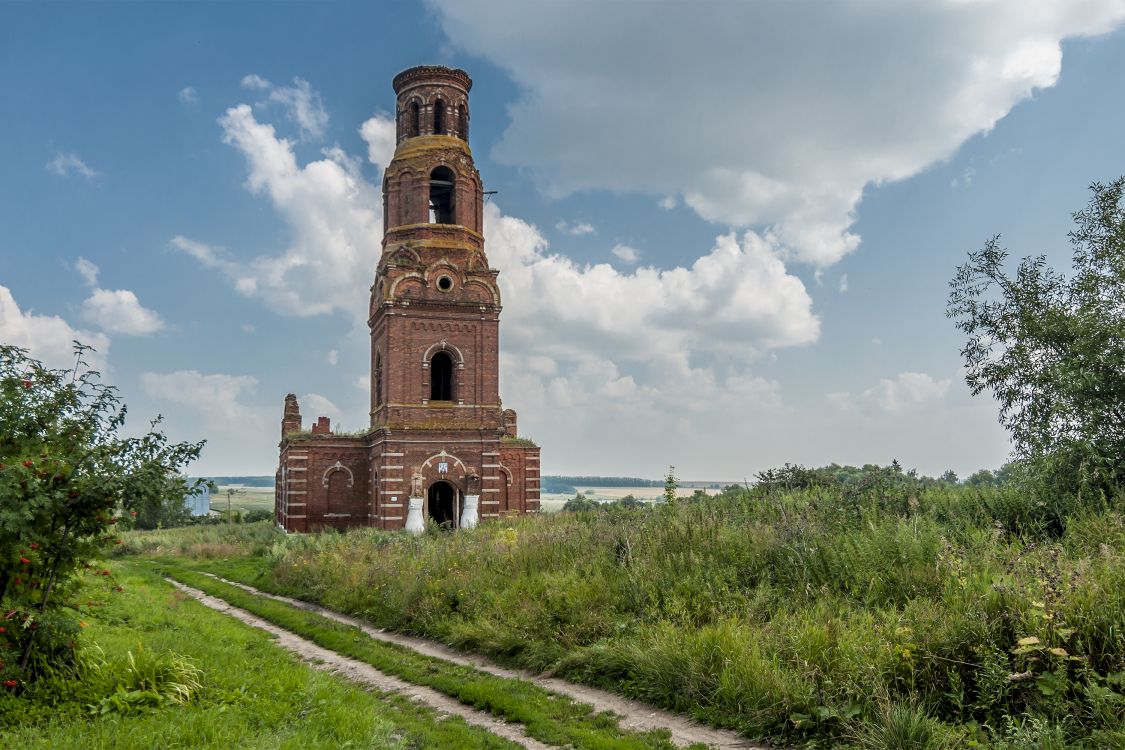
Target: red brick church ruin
x=440, y=445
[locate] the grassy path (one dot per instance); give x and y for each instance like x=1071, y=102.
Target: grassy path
x=254, y=695
x=547, y=716
x=634, y=715
x=353, y=669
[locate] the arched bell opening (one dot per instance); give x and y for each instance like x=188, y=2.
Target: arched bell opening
x=442, y=504
x=442, y=182
x=441, y=377
x=439, y=117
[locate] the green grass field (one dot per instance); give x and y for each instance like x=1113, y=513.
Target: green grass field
x=253, y=694
x=823, y=617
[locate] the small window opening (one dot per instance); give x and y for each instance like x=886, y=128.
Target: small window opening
x=445, y=283
x=415, y=124
x=441, y=196
x=441, y=377
x=378, y=379
x=439, y=117
x=463, y=121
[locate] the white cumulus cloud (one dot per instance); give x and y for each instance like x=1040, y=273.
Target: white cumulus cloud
x=773, y=115
x=906, y=392
x=49, y=338
x=188, y=95
x=119, y=311
x=68, y=164
x=626, y=253
x=314, y=405
x=379, y=134
x=87, y=270
x=217, y=397
x=334, y=216
x=577, y=229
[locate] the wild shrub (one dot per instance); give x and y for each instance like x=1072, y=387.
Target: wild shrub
x=66, y=479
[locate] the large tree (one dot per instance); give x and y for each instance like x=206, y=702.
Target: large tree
x=1051, y=346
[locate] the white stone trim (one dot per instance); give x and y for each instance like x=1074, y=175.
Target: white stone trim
x=338, y=467
x=490, y=489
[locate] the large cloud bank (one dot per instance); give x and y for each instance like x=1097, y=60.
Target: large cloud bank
x=768, y=114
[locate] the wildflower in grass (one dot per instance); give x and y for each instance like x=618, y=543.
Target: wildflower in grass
x=11, y=683
x=105, y=572
x=25, y=561
x=29, y=463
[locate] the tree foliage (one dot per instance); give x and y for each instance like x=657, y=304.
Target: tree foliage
x=68, y=479
x=1051, y=347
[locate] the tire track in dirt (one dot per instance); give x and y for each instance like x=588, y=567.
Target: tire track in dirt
x=357, y=671
x=634, y=714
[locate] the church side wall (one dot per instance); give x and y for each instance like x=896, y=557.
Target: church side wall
x=325, y=483
x=521, y=462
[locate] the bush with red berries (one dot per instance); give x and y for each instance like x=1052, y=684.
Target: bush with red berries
x=66, y=478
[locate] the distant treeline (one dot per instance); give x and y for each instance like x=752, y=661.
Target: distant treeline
x=570, y=484
x=265, y=481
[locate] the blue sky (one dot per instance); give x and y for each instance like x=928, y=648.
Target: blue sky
x=815, y=172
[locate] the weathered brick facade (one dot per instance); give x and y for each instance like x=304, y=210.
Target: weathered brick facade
x=439, y=435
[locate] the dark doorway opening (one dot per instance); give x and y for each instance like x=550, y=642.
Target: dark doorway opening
x=442, y=505
x=441, y=377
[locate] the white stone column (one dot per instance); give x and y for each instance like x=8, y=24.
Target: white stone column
x=469, y=514
x=414, y=522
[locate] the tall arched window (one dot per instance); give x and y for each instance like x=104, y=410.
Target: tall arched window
x=439, y=117
x=378, y=379
x=441, y=377
x=463, y=121
x=415, y=122
x=441, y=196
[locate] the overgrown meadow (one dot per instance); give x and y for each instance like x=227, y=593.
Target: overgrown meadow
x=891, y=613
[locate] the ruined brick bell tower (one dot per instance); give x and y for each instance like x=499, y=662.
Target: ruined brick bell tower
x=440, y=445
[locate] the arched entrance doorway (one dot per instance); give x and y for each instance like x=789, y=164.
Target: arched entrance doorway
x=442, y=504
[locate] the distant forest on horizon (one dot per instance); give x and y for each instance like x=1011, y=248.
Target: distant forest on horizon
x=551, y=483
